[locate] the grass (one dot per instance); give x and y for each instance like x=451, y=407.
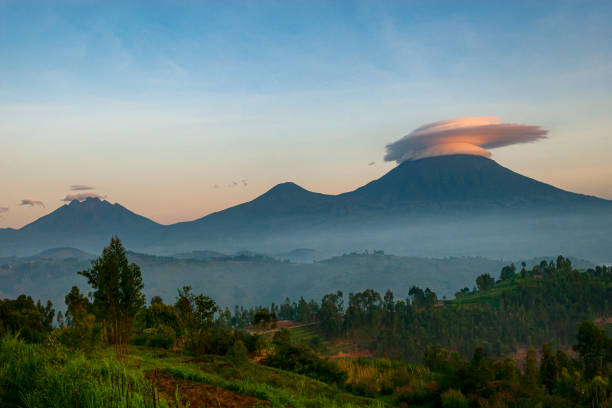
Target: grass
x=36, y=376
x=279, y=388
x=304, y=334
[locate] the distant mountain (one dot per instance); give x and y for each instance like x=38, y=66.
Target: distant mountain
x=93, y=216
x=87, y=225
x=60, y=254
x=448, y=205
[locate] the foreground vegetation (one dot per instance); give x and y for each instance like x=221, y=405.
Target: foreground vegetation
x=110, y=349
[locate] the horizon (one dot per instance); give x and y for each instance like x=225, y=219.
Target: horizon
x=177, y=112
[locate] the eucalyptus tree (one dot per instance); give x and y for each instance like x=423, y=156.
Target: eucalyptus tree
x=117, y=295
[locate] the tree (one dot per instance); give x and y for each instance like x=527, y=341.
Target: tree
x=530, y=373
x=31, y=320
x=507, y=272
x=485, y=282
x=548, y=368
x=77, y=306
x=595, y=349
x=117, y=292
x=196, y=312
x=330, y=314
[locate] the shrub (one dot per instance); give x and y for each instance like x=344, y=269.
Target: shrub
x=453, y=399
x=238, y=353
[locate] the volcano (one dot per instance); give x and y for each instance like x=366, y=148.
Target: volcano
x=428, y=194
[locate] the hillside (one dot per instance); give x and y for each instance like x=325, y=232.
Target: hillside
x=250, y=280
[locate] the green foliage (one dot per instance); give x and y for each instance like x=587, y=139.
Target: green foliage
x=330, y=314
x=238, y=353
x=32, y=321
x=595, y=349
x=547, y=304
x=195, y=313
x=485, y=282
x=301, y=359
x=117, y=292
x=453, y=399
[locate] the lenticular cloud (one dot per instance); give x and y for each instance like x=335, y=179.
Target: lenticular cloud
x=472, y=135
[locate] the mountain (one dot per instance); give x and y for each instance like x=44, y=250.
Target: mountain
x=441, y=206
x=93, y=216
x=464, y=180
x=86, y=225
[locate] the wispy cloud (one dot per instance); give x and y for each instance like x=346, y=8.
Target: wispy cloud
x=469, y=135
x=78, y=187
x=81, y=197
x=31, y=203
x=371, y=163
x=239, y=183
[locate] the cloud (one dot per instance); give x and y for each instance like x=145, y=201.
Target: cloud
x=371, y=163
x=31, y=203
x=470, y=135
x=78, y=187
x=82, y=196
x=3, y=210
x=243, y=182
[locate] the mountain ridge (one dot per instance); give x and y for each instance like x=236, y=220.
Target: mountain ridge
x=289, y=216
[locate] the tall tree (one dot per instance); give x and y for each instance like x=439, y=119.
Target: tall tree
x=196, y=312
x=117, y=292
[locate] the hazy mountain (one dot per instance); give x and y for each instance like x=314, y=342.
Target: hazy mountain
x=441, y=206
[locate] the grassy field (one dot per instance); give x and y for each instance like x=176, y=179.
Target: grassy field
x=50, y=375
x=270, y=386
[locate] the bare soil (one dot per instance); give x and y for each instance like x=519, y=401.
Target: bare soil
x=198, y=394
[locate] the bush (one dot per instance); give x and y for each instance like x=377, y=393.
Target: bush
x=453, y=399
x=302, y=360
x=159, y=336
x=238, y=353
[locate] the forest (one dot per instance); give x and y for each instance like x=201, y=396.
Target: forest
x=520, y=337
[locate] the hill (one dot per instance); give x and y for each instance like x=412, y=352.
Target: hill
x=249, y=280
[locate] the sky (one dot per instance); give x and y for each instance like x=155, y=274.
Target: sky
x=178, y=109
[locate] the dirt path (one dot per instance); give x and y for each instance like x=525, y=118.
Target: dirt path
x=198, y=394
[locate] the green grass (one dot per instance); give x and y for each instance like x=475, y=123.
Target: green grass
x=491, y=296
x=304, y=334
x=37, y=376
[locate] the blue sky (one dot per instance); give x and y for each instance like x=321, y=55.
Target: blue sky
x=156, y=103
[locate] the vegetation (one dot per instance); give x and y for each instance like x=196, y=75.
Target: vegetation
x=112, y=350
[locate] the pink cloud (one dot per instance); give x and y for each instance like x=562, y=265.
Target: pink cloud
x=470, y=135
